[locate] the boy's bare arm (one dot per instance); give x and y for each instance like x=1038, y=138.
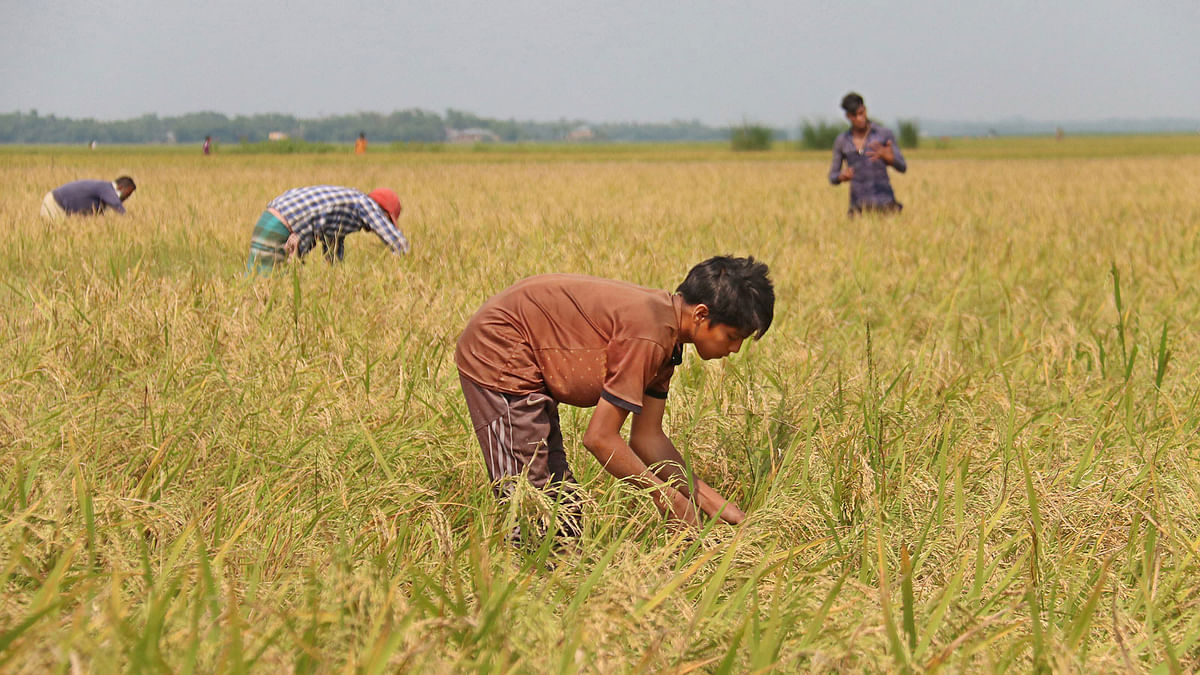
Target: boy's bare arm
x=654, y=447
x=603, y=439
x=712, y=503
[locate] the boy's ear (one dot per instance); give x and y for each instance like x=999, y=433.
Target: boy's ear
x=700, y=312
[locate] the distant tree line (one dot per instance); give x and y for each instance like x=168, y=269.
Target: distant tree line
x=402, y=126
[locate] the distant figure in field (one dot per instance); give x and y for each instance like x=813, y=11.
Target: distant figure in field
x=586, y=341
x=360, y=146
x=86, y=197
x=295, y=220
x=208, y=145
x=862, y=155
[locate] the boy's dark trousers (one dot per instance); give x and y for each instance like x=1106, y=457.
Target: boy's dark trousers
x=520, y=436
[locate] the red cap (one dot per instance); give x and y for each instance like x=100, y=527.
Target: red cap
x=388, y=200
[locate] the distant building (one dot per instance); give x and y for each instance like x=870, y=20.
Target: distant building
x=583, y=133
x=277, y=136
x=473, y=135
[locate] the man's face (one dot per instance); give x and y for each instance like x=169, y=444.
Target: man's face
x=717, y=340
x=858, y=118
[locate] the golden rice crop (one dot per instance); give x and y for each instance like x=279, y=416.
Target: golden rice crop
x=968, y=442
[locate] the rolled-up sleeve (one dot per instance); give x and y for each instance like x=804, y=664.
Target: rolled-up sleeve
x=382, y=226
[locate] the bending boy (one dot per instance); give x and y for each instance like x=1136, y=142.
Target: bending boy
x=295, y=220
x=585, y=341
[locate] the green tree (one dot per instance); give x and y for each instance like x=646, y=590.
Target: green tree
x=751, y=137
x=819, y=135
x=910, y=133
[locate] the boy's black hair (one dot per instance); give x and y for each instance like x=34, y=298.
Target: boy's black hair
x=852, y=102
x=126, y=181
x=737, y=292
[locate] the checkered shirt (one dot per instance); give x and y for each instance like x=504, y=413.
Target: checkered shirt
x=332, y=212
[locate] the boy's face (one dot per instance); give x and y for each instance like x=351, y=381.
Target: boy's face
x=717, y=340
x=858, y=118
x=124, y=192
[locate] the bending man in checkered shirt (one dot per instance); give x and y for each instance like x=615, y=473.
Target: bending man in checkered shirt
x=296, y=220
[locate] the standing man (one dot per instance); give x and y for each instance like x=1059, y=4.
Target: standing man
x=208, y=145
x=86, y=197
x=862, y=155
x=296, y=219
x=360, y=146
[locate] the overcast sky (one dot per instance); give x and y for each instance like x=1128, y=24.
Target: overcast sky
x=773, y=61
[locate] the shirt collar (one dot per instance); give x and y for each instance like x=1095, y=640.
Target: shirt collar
x=676, y=355
x=849, y=133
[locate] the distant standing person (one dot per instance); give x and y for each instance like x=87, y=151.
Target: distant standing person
x=295, y=220
x=360, y=146
x=208, y=145
x=862, y=155
x=87, y=197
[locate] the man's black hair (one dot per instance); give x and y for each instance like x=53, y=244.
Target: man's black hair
x=737, y=292
x=852, y=102
x=126, y=181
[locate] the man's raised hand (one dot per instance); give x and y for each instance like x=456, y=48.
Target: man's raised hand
x=883, y=151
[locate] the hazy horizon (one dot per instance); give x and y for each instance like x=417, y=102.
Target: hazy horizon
x=1011, y=125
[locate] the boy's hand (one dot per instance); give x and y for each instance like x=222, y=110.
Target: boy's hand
x=731, y=514
x=846, y=174
x=676, y=506
x=715, y=505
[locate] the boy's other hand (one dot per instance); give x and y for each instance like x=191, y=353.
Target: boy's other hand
x=846, y=174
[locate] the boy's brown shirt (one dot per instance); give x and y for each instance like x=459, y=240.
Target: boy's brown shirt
x=576, y=337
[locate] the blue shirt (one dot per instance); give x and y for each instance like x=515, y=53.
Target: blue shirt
x=88, y=197
x=870, y=187
x=332, y=212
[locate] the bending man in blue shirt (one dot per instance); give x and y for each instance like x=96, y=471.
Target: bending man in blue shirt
x=861, y=155
x=87, y=197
